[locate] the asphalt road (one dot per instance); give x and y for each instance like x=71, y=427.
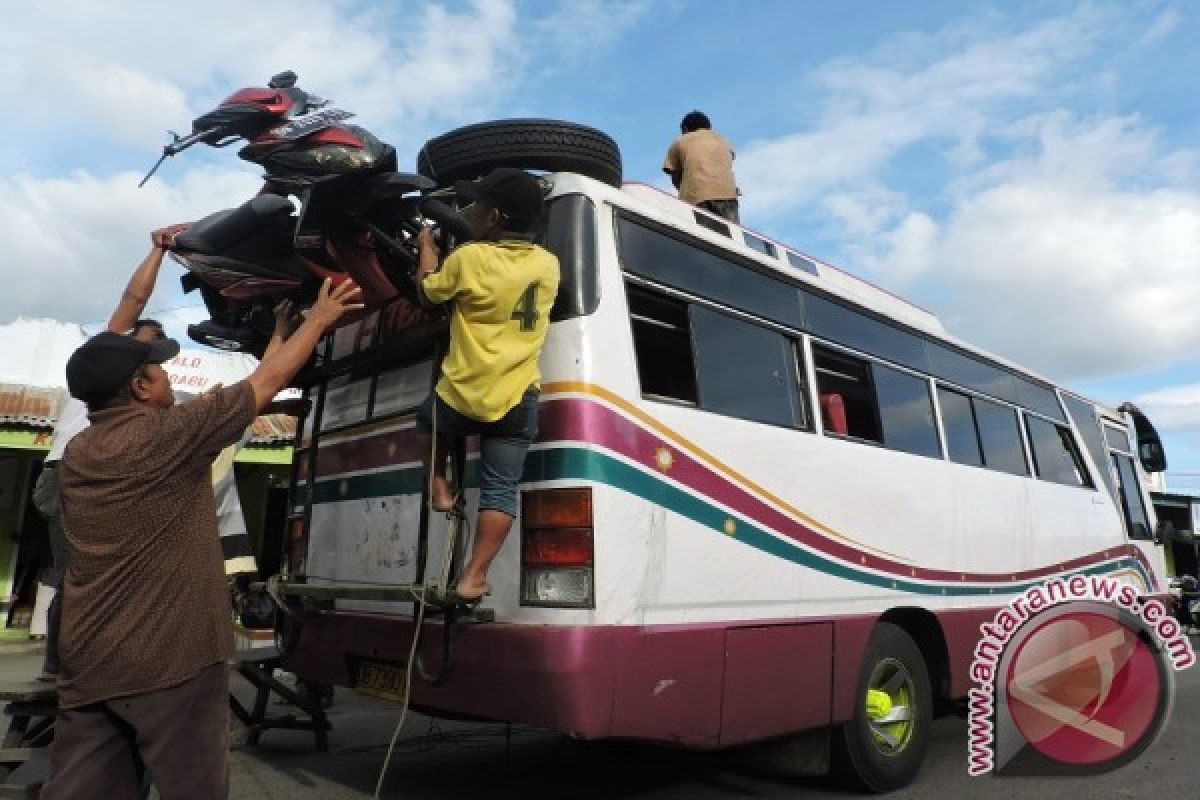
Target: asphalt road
x=447, y=761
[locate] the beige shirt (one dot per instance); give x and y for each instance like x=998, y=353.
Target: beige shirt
x=145, y=602
x=706, y=159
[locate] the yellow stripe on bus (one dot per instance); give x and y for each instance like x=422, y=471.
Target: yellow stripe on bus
x=583, y=387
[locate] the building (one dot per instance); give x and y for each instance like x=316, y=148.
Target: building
x=33, y=356
x=1179, y=520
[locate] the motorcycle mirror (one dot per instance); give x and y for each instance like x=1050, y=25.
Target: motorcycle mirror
x=284, y=80
x=165, y=153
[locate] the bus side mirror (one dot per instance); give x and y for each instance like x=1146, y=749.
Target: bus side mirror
x=1163, y=531
x=1150, y=449
x=1152, y=456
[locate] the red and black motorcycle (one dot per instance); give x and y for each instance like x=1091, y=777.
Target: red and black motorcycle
x=356, y=216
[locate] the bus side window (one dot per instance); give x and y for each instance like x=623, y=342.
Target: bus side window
x=906, y=412
x=847, y=396
x=982, y=433
x=1000, y=435
x=958, y=419
x=1055, y=456
x=745, y=370
x=1134, y=510
x=662, y=345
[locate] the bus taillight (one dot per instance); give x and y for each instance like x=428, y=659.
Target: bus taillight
x=557, y=552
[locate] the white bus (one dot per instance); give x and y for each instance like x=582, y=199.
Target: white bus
x=767, y=498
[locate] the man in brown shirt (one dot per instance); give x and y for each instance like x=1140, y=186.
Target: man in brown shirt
x=700, y=163
x=146, y=620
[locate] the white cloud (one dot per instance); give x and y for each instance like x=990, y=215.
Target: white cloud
x=584, y=28
x=128, y=73
x=1065, y=240
x=118, y=80
x=72, y=242
x=1065, y=261
x=948, y=88
x=1174, y=408
x=97, y=86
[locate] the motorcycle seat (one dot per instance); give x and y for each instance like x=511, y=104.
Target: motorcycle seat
x=219, y=232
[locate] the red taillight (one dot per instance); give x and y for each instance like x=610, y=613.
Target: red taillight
x=562, y=547
x=557, y=548
x=557, y=508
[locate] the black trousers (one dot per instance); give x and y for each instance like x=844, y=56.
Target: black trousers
x=53, y=623
x=180, y=734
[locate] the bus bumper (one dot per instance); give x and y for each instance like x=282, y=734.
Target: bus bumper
x=699, y=686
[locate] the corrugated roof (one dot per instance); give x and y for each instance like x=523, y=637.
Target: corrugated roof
x=33, y=357
x=273, y=429
x=29, y=405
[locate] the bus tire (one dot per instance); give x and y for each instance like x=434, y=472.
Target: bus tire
x=882, y=747
x=538, y=144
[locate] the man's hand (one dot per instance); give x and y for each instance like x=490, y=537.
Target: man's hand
x=428, y=253
x=279, y=366
x=334, y=301
x=287, y=319
x=141, y=284
x=164, y=238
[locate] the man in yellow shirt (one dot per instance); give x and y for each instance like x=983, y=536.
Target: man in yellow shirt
x=502, y=286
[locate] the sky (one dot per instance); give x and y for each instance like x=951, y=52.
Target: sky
x=1028, y=171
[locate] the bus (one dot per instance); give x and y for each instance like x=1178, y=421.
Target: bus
x=769, y=502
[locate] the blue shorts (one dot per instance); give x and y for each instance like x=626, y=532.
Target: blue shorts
x=502, y=445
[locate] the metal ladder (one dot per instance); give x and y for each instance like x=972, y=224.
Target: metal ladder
x=435, y=594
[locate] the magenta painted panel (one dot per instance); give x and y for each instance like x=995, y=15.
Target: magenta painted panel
x=554, y=677
x=777, y=681
x=961, y=629
x=669, y=686
x=850, y=637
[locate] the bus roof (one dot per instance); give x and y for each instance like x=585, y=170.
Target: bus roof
x=797, y=265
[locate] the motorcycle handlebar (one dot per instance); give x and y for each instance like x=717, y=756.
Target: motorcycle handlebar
x=177, y=146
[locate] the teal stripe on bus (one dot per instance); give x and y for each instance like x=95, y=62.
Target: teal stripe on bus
x=574, y=463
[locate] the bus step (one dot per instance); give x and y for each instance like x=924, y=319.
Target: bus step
x=435, y=597
x=353, y=591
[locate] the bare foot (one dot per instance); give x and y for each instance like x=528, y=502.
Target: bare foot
x=440, y=494
x=472, y=591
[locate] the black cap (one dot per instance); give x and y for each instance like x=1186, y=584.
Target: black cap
x=513, y=192
x=106, y=362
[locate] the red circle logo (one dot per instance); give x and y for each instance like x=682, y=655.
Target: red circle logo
x=1084, y=688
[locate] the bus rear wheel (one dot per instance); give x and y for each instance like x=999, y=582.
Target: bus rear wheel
x=882, y=747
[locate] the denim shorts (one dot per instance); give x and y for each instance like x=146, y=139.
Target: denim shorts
x=502, y=445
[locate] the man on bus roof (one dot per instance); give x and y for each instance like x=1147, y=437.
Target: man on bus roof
x=700, y=163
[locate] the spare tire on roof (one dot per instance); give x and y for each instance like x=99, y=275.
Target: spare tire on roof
x=539, y=144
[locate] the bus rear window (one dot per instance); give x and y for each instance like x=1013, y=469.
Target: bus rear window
x=570, y=234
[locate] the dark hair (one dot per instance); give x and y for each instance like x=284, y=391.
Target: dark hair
x=694, y=121
x=147, y=323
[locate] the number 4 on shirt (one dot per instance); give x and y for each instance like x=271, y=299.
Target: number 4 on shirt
x=526, y=308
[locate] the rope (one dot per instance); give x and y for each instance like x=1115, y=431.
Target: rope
x=455, y=517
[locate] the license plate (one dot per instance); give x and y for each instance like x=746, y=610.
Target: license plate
x=385, y=681
x=311, y=123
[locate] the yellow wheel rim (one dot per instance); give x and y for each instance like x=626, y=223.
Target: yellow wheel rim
x=890, y=706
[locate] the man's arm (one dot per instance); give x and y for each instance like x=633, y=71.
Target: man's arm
x=428, y=254
x=141, y=284
x=275, y=370
x=286, y=322
x=672, y=165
